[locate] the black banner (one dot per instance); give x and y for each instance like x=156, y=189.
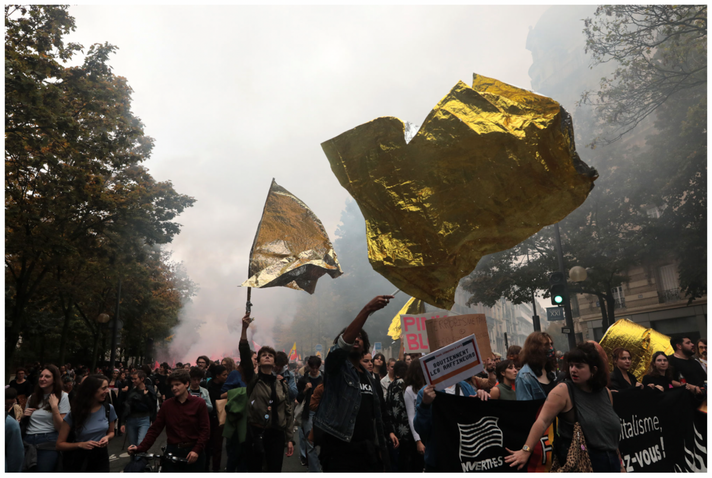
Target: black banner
x=660, y=431
x=472, y=435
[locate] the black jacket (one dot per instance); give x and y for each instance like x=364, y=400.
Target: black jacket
x=304, y=394
x=139, y=404
x=618, y=382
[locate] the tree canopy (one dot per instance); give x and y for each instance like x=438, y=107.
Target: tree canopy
x=659, y=52
x=79, y=204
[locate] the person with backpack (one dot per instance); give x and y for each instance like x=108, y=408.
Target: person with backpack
x=88, y=427
x=270, y=412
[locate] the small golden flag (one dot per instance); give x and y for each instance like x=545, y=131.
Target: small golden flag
x=413, y=306
x=291, y=247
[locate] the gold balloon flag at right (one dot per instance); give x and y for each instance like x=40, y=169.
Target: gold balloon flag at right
x=491, y=165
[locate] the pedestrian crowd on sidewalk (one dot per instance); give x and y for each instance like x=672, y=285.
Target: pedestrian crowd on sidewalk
x=351, y=412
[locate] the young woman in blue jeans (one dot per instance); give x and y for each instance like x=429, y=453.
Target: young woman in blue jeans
x=43, y=417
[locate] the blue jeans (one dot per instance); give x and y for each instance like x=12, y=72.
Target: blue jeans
x=314, y=465
x=136, y=428
x=235, y=455
x=46, y=459
x=302, y=442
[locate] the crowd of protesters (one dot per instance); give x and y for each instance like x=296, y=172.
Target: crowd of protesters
x=353, y=412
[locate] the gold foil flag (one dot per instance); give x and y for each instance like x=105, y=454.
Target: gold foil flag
x=641, y=342
x=291, y=247
x=490, y=166
x=413, y=306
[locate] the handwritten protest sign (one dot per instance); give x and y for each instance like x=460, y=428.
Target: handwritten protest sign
x=451, y=364
x=415, y=337
x=442, y=331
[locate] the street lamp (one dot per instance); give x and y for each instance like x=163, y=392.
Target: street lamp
x=103, y=318
x=577, y=274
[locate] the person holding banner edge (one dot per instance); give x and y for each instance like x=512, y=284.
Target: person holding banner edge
x=621, y=378
x=423, y=422
x=583, y=398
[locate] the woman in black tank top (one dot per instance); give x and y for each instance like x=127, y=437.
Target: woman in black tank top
x=585, y=398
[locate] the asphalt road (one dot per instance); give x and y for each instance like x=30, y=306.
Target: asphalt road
x=119, y=457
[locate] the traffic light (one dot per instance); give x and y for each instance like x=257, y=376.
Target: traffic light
x=557, y=289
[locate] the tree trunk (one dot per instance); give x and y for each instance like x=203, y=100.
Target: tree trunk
x=23, y=292
x=42, y=349
x=94, y=353
x=65, y=330
x=604, y=312
x=611, y=309
x=13, y=336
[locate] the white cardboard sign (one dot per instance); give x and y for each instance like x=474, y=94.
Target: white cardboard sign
x=452, y=363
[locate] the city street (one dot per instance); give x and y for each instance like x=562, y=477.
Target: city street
x=119, y=457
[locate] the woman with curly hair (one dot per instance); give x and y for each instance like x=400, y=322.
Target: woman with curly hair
x=537, y=377
x=46, y=408
x=583, y=398
x=91, y=422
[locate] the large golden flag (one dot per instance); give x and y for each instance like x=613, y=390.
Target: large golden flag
x=490, y=166
x=291, y=247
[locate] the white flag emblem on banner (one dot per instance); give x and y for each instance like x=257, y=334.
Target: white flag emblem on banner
x=476, y=437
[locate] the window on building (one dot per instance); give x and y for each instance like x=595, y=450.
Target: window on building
x=619, y=297
x=653, y=212
x=669, y=285
x=597, y=333
x=683, y=325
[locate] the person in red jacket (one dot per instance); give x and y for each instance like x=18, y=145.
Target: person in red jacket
x=187, y=425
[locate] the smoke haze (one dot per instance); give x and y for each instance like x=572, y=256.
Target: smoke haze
x=237, y=95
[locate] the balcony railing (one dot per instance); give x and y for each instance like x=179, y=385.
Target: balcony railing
x=670, y=295
x=620, y=304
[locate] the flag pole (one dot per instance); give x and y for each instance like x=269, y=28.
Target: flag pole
x=248, y=305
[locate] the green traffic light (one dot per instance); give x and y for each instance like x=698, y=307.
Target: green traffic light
x=558, y=299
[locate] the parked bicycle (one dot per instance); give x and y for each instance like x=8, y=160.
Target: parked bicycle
x=152, y=462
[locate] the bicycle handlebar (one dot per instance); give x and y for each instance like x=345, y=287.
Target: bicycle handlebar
x=166, y=456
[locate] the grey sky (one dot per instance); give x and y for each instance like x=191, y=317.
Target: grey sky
x=236, y=95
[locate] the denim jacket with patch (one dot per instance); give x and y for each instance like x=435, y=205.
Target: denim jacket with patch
x=341, y=401
x=527, y=386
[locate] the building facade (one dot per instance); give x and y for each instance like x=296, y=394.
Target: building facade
x=507, y=324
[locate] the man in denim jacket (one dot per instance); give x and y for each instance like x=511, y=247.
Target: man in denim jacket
x=349, y=415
